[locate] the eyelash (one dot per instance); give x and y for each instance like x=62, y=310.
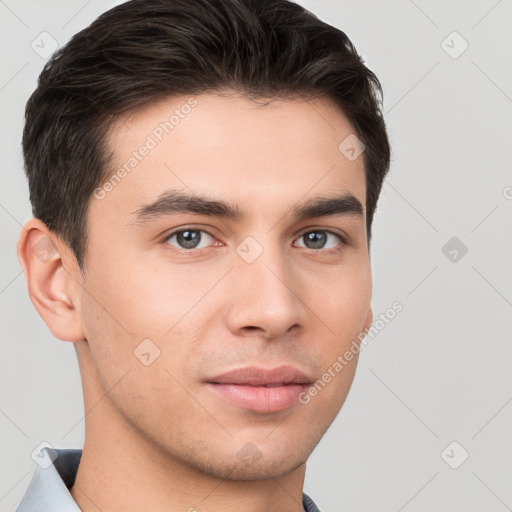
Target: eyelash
x=335, y=250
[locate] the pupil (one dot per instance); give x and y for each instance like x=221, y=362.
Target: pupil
x=189, y=238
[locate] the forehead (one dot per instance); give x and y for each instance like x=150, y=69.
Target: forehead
x=264, y=156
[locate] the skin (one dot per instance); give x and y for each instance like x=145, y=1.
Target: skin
x=156, y=438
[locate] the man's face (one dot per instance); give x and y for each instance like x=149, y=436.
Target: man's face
x=166, y=313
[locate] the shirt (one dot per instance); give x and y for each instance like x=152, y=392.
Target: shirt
x=55, y=474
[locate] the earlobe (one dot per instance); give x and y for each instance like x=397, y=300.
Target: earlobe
x=49, y=282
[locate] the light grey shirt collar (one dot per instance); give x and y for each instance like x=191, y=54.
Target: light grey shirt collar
x=55, y=474
x=48, y=491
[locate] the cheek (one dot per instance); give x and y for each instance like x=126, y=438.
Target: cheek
x=344, y=304
x=149, y=295
x=126, y=317
x=323, y=401
x=109, y=339
x=343, y=310
x=131, y=303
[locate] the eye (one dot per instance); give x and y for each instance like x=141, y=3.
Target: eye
x=319, y=239
x=189, y=238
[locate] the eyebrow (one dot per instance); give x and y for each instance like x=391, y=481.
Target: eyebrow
x=176, y=202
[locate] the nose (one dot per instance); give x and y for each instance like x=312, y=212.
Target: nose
x=265, y=297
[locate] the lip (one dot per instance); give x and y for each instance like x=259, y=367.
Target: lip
x=259, y=389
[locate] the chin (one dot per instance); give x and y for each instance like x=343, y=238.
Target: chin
x=249, y=464
x=241, y=472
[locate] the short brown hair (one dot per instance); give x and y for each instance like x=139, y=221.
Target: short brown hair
x=145, y=50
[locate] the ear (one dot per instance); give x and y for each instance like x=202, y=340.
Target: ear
x=53, y=288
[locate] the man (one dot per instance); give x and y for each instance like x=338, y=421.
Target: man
x=203, y=176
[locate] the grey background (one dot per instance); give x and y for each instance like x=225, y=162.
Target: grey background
x=441, y=371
